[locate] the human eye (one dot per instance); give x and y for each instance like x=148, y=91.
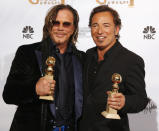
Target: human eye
x=106, y=25
x=94, y=25
x=56, y=23
x=66, y=24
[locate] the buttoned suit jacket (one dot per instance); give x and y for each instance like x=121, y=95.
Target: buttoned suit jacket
x=131, y=67
x=21, y=82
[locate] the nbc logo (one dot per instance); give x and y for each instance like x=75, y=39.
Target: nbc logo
x=149, y=32
x=28, y=32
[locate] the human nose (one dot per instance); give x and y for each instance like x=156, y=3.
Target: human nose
x=100, y=30
x=60, y=27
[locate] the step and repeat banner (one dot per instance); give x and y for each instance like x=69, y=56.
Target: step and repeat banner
x=21, y=22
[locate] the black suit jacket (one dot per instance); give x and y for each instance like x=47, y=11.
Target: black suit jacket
x=21, y=82
x=131, y=67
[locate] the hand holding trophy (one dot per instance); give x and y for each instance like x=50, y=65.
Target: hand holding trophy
x=50, y=62
x=112, y=113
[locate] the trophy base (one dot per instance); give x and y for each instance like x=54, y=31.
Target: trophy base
x=110, y=116
x=50, y=98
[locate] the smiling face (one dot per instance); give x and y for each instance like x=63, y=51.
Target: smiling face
x=63, y=27
x=103, y=30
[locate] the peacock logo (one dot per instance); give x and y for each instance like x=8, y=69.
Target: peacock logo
x=149, y=32
x=149, y=29
x=28, y=32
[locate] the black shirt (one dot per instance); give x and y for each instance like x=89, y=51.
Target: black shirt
x=95, y=65
x=63, y=107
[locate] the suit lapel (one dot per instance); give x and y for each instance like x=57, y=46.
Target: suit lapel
x=39, y=59
x=87, y=65
x=77, y=67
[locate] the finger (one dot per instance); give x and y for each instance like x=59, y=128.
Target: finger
x=52, y=86
x=116, y=107
x=52, y=90
x=54, y=82
x=108, y=93
x=117, y=104
x=114, y=103
x=117, y=95
x=51, y=81
x=110, y=99
x=44, y=80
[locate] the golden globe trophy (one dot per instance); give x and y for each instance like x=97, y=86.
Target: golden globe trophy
x=50, y=62
x=112, y=113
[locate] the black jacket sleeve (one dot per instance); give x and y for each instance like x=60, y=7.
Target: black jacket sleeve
x=135, y=95
x=24, y=73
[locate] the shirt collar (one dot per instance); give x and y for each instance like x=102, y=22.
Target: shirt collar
x=109, y=52
x=68, y=50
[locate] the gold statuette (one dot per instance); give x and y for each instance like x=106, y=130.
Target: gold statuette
x=50, y=62
x=112, y=113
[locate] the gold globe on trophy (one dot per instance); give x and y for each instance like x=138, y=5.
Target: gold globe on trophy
x=50, y=62
x=112, y=113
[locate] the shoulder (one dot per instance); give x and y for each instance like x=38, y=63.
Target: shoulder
x=91, y=50
x=78, y=52
x=131, y=56
x=27, y=50
x=80, y=55
x=29, y=47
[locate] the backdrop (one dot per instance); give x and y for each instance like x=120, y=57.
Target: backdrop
x=21, y=22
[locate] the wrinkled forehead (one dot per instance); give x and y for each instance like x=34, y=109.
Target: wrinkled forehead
x=65, y=15
x=102, y=17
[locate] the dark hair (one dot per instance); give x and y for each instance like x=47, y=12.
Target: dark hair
x=106, y=8
x=51, y=16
